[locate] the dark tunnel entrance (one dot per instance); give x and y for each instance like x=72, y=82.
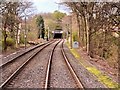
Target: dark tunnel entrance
x=57, y=35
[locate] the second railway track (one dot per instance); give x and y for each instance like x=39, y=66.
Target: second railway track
x=41, y=72
x=24, y=52
x=10, y=68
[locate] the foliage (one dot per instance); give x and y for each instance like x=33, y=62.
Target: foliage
x=50, y=23
x=96, y=22
x=58, y=27
x=75, y=36
x=1, y=45
x=100, y=76
x=10, y=42
x=40, y=25
x=12, y=14
x=31, y=36
x=103, y=78
x=39, y=21
x=58, y=15
x=22, y=39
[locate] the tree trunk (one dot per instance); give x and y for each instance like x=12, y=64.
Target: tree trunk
x=4, y=41
x=104, y=44
x=119, y=57
x=12, y=32
x=16, y=38
x=71, y=32
x=79, y=32
x=85, y=30
x=90, y=43
x=17, y=35
x=87, y=33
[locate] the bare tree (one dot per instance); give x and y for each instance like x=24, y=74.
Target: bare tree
x=12, y=14
x=96, y=23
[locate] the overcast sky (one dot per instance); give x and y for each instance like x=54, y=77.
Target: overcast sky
x=47, y=5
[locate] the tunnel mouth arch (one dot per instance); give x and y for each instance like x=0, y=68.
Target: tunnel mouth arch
x=57, y=34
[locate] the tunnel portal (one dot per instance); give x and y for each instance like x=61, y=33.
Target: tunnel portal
x=57, y=34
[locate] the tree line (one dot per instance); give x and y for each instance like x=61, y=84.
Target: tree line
x=98, y=24
x=16, y=25
x=12, y=15
x=47, y=22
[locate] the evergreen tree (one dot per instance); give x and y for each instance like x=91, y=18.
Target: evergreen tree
x=40, y=25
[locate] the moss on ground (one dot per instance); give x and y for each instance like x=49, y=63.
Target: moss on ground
x=106, y=80
x=102, y=77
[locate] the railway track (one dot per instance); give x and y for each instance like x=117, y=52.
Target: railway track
x=78, y=82
x=11, y=75
x=47, y=74
x=74, y=75
x=20, y=55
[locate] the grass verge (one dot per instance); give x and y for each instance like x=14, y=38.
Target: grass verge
x=106, y=80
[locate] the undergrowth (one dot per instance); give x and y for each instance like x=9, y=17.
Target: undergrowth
x=106, y=80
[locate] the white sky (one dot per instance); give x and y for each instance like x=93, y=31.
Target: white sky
x=47, y=5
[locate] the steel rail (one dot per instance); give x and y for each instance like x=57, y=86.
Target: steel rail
x=21, y=67
x=77, y=80
x=11, y=60
x=49, y=67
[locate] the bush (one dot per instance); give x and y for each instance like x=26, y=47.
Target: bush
x=0, y=42
x=10, y=42
x=75, y=36
x=31, y=36
x=1, y=46
x=22, y=39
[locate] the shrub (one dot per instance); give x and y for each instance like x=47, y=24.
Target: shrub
x=0, y=42
x=10, y=42
x=75, y=36
x=31, y=36
x=22, y=39
x=1, y=46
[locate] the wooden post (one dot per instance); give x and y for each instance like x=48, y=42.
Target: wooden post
x=71, y=32
x=48, y=33
x=25, y=33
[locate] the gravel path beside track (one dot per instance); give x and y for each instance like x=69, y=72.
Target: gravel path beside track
x=88, y=80
x=60, y=76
